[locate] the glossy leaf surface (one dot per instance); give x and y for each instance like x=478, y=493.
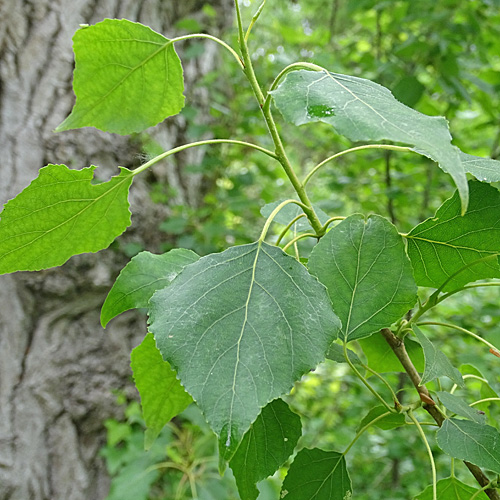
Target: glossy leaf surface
x=317, y=475
x=466, y=440
x=240, y=327
x=451, y=489
x=265, y=447
x=436, y=362
x=61, y=214
x=363, y=264
x=162, y=395
x=141, y=277
x=363, y=110
x=127, y=78
x=442, y=246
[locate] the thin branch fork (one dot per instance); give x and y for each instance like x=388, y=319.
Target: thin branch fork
x=398, y=347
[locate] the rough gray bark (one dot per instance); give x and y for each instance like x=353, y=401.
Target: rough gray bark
x=57, y=366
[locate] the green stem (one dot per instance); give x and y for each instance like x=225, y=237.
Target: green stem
x=361, y=431
x=460, y=329
x=465, y=377
x=429, y=451
x=297, y=238
x=467, y=287
x=254, y=19
x=358, y=148
x=384, y=381
x=214, y=39
x=273, y=215
x=485, y=400
x=332, y=219
x=160, y=157
x=365, y=382
x=287, y=228
x=484, y=488
x=279, y=148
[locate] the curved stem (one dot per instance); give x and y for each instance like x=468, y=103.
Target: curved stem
x=358, y=148
x=361, y=431
x=273, y=215
x=254, y=19
x=460, y=329
x=484, y=488
x=297, y=238
x=467, y=287
x=332, y=219
x=214, y=39
x=287, y=228
x=429, y=451
x=384, y=381
x=485, y=400
x=160, y=157
x=365, y=382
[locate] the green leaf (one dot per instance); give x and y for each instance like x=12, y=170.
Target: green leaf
x=460, y=407
x=141, y=277
x=289, y=212
x=127, y=78
x=162, y=395
x=317, y=475
x=61, y=214
x=265, y=447
x=381, y=357
x=442, y=246
x=391, y=421
x=240, y=327
x=436, y=362
x=369, y=278
x=362, y=110
x=466, y=440
x=451, y=489
x=483, y=169
x=336, y=353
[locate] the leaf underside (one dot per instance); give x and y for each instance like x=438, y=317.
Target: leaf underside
x=483, y=169
x=61, y=214
x=239, y=328
x=441, y=248
x=362, y=110
x=363, y=264
x=127, y=78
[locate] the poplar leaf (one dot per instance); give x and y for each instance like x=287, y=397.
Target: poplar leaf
x=363, y=264
x=162, y=395
x=460, y=407
x=140, y=279
x=239, y=328
x=362, y=110
x=451, y=489
x=317, y=475
x=390, y=421
x=61, y=214
x=127, y=78
x=483, y=169
x=477, y=443
x=458, y=249
x=436, y=362
x=266, y=446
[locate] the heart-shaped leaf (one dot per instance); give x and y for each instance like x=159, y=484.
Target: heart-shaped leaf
x=61, y=214
x=127, y=78
x=362, y=110
x=458, y=249
x=363, y=264
x=239, y=328
x=265, y=447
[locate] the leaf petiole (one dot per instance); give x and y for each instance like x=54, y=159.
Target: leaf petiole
x=273, y=215
x=287, y=228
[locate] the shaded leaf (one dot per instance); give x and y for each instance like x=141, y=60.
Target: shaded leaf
x=440, y=247
x=317, y=475
x=391, y=421
x=141, y=277
x=381, y=357
x=363, y=264
x=466, y=440
x=289, y=212
x=483, y=169
x=362, y=110
x=336, y=353
x=127, y=78
x=266, y=446
x=240, y=327
x=460, y=407
x=61, y=214
x=162, y=395
x=450, y=489
x=436, y=362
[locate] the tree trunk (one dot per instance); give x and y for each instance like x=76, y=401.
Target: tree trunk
x=58, y=367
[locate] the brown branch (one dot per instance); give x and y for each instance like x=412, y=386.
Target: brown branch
x=398, y=347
